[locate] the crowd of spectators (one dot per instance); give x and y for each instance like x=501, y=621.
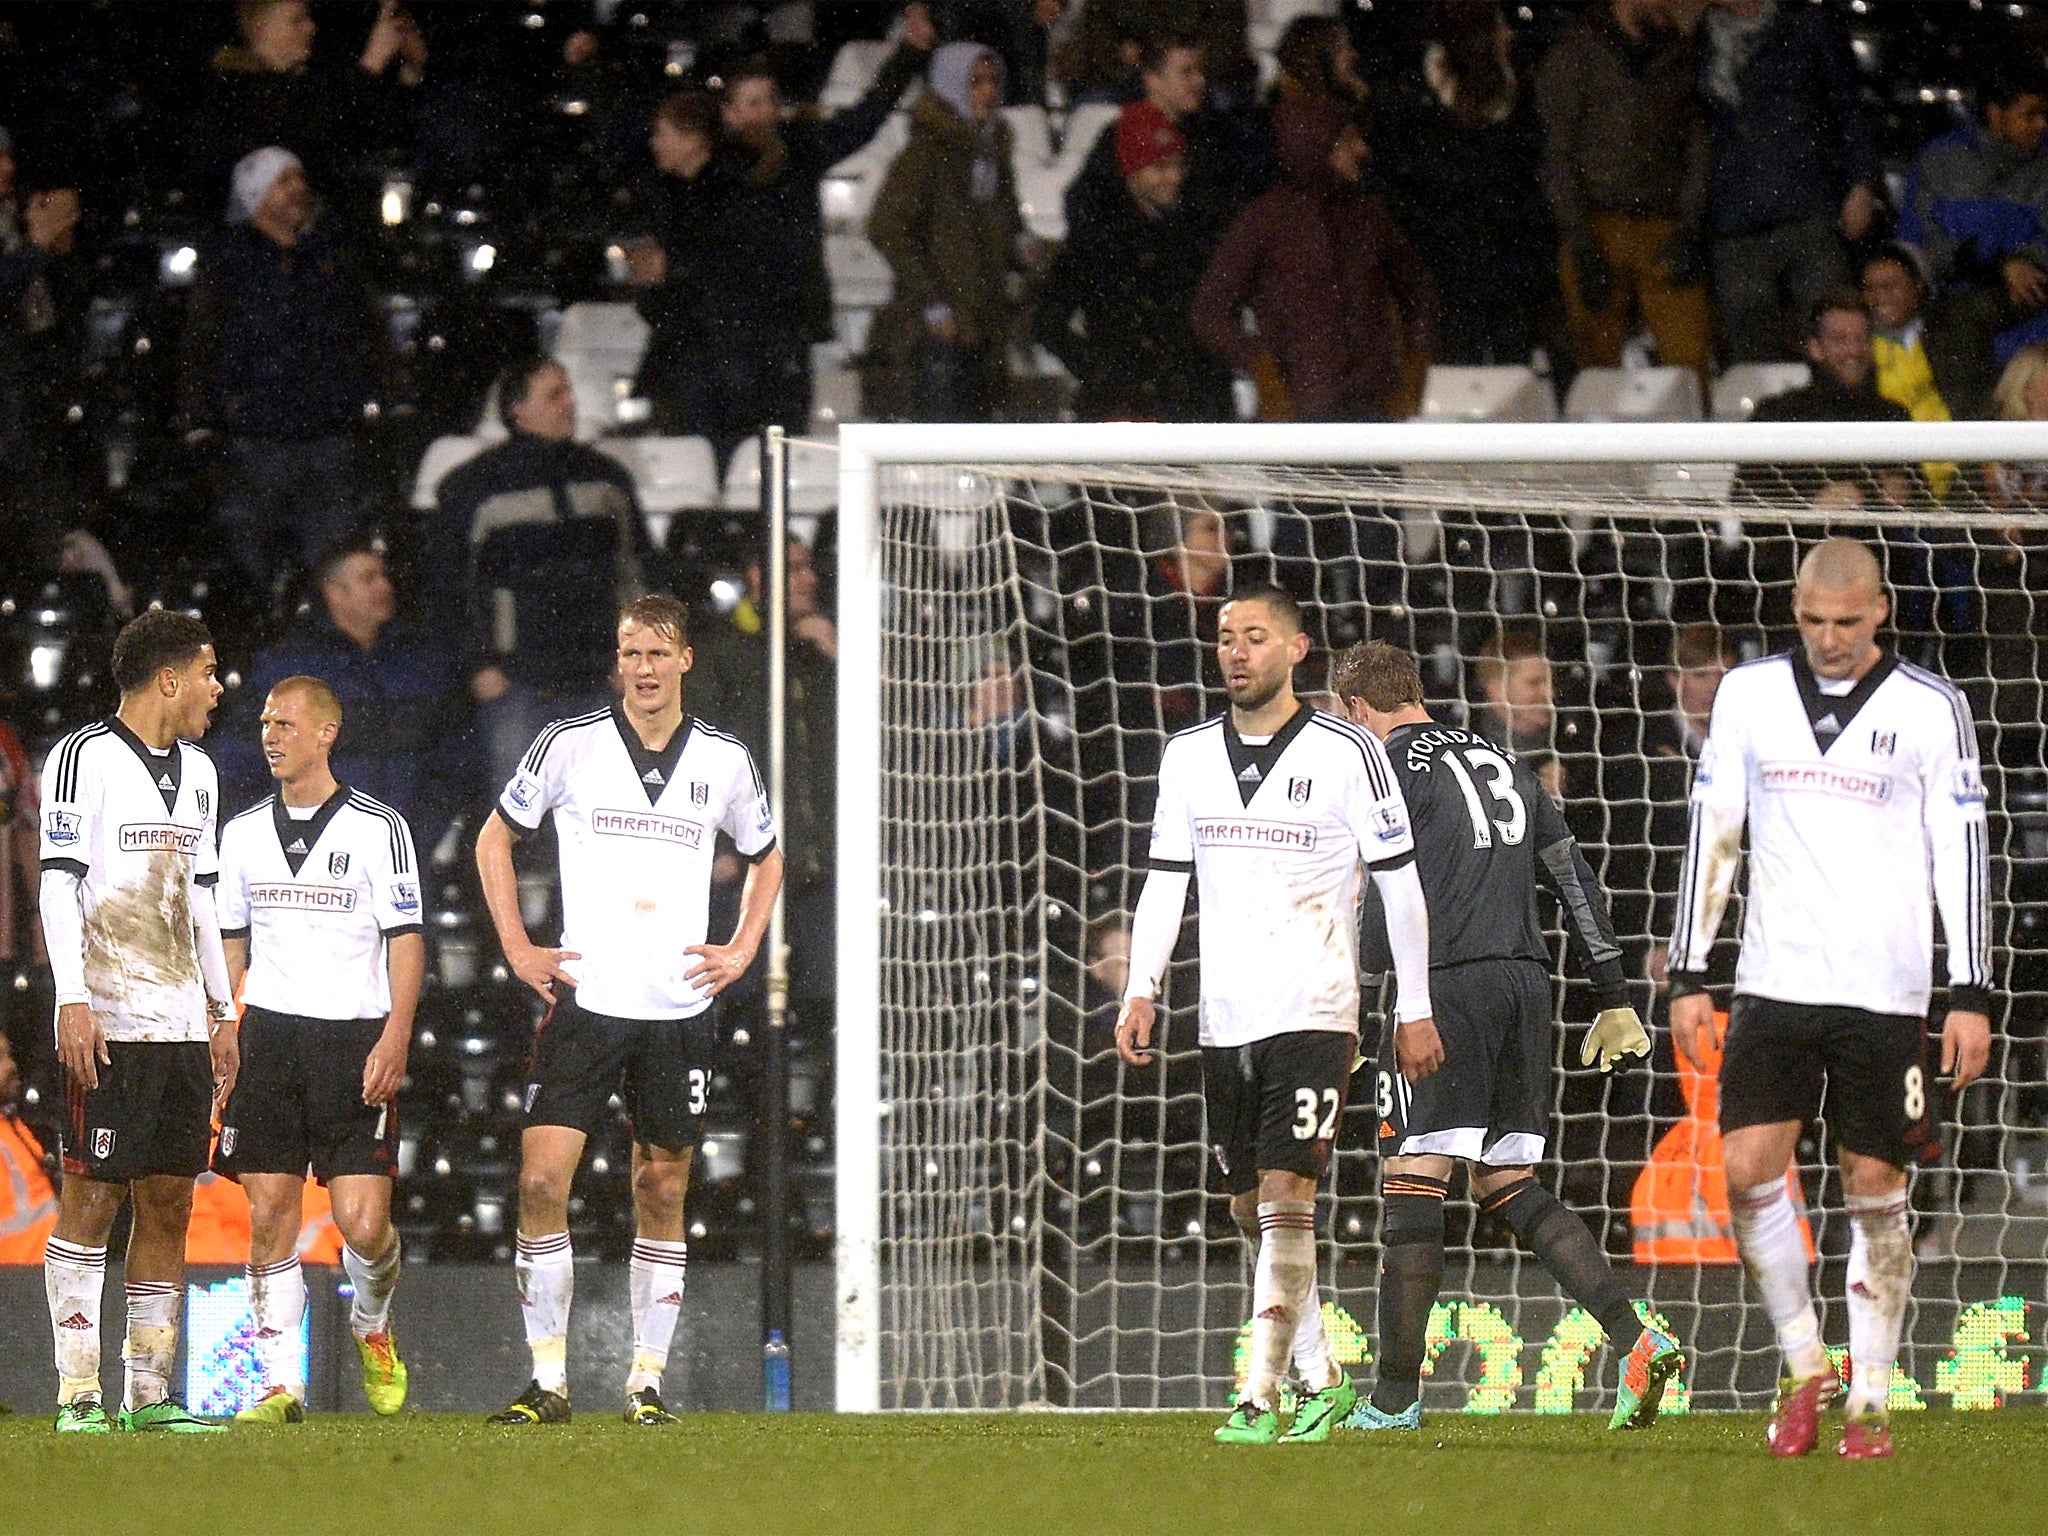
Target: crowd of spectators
x=253, y=258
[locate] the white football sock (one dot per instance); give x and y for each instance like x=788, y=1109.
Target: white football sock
x=151, y=1346
x=1767, y=1236
x=546, y=1271
x=277, y=1305
x=1880, y=1282
x=1280, y=1286
x=373, y=1282
x=1313, y=1362
x=74, y=1278
x=657, y=1287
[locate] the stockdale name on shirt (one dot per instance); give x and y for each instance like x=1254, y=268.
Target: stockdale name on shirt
x=1820, y=779
x=648, y=825
x=158, y=837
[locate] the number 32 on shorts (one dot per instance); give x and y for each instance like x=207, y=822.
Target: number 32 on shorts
x=1309, y=1124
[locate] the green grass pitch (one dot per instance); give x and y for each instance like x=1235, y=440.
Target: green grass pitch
x=1017, y=1475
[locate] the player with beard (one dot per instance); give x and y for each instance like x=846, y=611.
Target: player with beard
x=1275, y=808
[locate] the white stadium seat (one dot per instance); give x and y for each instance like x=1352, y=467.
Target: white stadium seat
x=1030, y=135
x=442, y=455
x=600, y=346
x=861, y=279
x=670, y=475
x=854, y=68
x=1739, y=390
x=847, y=192
x=1487, y=394
x=835, y=398
x=813, y=478
x=1084, y=125
x=1042, y=198
x=1634, y=394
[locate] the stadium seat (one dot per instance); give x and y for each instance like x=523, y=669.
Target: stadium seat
x=853, y=70
x=835, y=398
x=1268, y=19
x=1042, y=197
x=850, y=325
x=1738, y=391
x=1030, y=135
x=861, y=279
x=1084, y=125
x=813, y=478
x=1487, y=394
x=847, y=191
x=1634, y=394
x=670, y=475
x=442, y=455
x=600, y=346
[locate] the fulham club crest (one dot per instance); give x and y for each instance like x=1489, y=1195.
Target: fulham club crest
x=205, y=801
x=700, y=792
x=227, y=1141
x=337, y=864
x=102, y=1142
x=1297, y=791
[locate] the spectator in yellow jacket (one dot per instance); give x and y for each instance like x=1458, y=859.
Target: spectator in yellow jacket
x=1892, y=290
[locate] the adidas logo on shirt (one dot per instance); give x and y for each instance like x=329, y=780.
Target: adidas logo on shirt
x=1250, y=775
x=165, y=783
x=652, y=776
x=1829, y=724
x=298, y=845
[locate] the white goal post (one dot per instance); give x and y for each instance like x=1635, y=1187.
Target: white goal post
x=973, y=1268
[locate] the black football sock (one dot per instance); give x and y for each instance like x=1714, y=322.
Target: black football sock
x=1411, y=1270
x=1566, y=1247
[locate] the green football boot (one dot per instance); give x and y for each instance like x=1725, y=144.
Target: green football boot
x=1249, y=1424
x=169, y=1417
x=1320, y=1412
x=84, y=1416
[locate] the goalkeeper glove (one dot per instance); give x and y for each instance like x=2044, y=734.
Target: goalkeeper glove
x=1615, y=1034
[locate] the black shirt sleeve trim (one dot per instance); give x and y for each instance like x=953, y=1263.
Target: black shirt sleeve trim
x=392, y=933
x=209, y=881
x=1398, y=861
x=1172, y=866
x=68, y=866
x=760, y=853
x=1687, y=984
x=233, y=933
x=1969, y=999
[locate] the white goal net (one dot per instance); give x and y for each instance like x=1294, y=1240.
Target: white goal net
x=1027, y=613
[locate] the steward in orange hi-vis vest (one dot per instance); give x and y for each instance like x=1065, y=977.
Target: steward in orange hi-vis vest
x=1680, y=1204
x=28, y=1206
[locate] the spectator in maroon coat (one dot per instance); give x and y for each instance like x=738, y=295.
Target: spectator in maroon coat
x=1326, y=271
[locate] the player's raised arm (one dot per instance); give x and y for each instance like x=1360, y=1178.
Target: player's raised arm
x=1952, y=809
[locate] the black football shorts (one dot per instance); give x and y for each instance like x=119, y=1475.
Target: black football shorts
x=1275, y=1104
x=1866, y=1072
x=1490, y=1100
x=151, y=1113
x=660, y=1067
x=298, y=1101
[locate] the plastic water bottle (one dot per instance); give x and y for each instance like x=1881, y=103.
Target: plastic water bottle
x=775, y=1373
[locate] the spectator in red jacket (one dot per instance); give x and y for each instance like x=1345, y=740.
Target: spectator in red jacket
x=1326, y=271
